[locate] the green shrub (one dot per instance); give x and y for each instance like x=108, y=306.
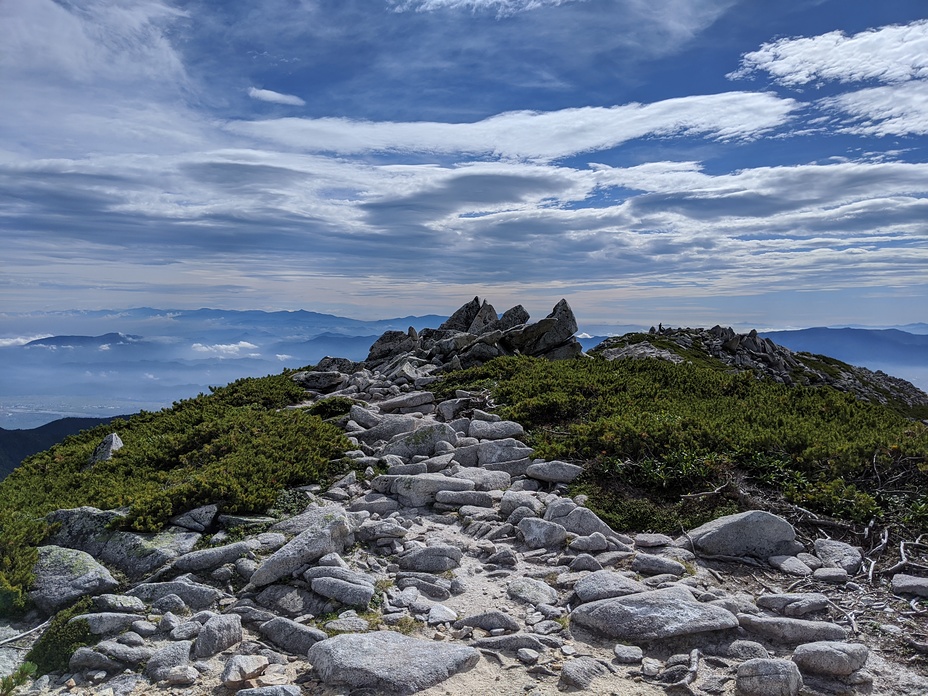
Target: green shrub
x=652, y=428
x=237, y=447
x=331, y=408
x=53, y=650
x=20, y=677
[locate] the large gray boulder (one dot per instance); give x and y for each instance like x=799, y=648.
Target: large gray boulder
x=431, y=559
x=293, y=601
x=306, y=547
x=421, y=441
x=167, y=658
x=910, y=584
x=290, y=636
x=194, y=594
x=206, y=559
x=389, y=427
x=64, y=575
x=531, y=591
x=218, y=633
x=652, y=615
x=603, y=584
x=315, y=517
x=137, y=555
x=419, y=490
x=753, y=533
x=388, y=662
x=543, y=336
x=104, y=451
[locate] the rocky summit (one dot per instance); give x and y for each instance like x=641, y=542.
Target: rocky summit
x=450, y=560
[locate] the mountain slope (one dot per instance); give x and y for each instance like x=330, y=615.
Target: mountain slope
x=16, y=445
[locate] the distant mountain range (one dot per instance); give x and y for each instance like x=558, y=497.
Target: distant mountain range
x=857, y=346
x=101, y=363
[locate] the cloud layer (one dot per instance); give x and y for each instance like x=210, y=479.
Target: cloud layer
x=522, y=149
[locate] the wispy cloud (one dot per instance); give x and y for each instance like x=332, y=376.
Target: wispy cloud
x=275, y=97
x=888, y=110
x=889, y=54
x=537, y=135
x=500, y=7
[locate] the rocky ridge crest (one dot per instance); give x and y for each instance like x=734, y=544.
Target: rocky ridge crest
x=752, y=352
x=451, y=560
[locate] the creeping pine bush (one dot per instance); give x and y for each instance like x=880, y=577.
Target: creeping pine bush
x=655, y=429
x=237, y=447
x=53, y=650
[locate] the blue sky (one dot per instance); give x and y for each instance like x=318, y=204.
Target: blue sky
x=686, y=161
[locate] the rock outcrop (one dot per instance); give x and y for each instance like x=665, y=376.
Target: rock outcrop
x=475, y=334
x=751, y=352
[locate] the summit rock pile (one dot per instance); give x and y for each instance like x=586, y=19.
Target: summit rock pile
x=475, y=334
x=451, y=560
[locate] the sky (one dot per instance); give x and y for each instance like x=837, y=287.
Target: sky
x=685, y=161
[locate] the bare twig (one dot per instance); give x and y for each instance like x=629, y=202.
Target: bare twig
x=706, y=494
x=23, y=635
x=901, y=564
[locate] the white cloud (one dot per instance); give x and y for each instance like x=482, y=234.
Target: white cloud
x=21, y=340
x=224, y=349
x=275, y=97
x=283, y=356
x=888, y=110
x=537, y=135
x=500, y=7
x=889, y=54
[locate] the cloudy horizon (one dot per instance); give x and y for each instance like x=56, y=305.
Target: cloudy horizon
x=678, y=161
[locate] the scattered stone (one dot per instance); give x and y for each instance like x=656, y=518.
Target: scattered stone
x=581, y=672
x=554, y=471
x=291, y=636
x=165, y=659
x=241, y=668
x=768, y=677
x=431, y=559
x=628, y=654
x=531, y=591
x=538, y=533
x=910, y=584
x=791, y=631
x=831, y=658
x=218, y=634
x=604, y=584
x=832, y=576
x=837, y=554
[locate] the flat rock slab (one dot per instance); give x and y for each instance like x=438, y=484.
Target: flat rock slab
x=910, y=584
x=791, y=631
x=652, y=615
x=388, y=661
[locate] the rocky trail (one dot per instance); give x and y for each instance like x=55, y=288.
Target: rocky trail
x=451, y=561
